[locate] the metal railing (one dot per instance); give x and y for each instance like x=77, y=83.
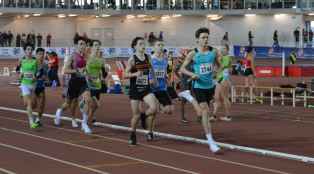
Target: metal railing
x=100, y=5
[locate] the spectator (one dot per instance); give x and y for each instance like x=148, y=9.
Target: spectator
x=39, y=39
x=23, y=41
x=33, y=36
x=29, y=39
x=1, y=39
x=225, y=39
x=53, y=64
x=151, y=38
x=161, y=36
x=296, y=34
x=18, y=40
x=5, y=39
x=10, y=38
x=250, y=36
x=275, y=39
x=48, y=40
x=311, y=36
x=305, y=35
x=76, y=37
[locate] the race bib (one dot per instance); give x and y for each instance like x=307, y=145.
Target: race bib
x=28, y=75
x=160, y=74
x=206, y=68
x=226, y=72
x=142, y=80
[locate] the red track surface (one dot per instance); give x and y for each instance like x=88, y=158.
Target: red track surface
x=66, y=150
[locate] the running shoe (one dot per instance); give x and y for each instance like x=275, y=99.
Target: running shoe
x=39, y=123
x=213, y=147
x=227, y=118
x=184, y=120
x=34, y=126
x=94, y=121
x=150, y=136
x=213, y=118
x=132, y=139
x=74, y=123
x=86, y=129
x=57, y=119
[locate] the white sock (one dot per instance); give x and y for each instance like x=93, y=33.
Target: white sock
x=31, y=119
x=210, y=138
x=212, y=144
x=37, y=119
x=85, y=118
x=60, y=111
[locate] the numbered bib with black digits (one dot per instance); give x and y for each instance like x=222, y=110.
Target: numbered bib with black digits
x=226, y=73
x=142, y=80
x=206, y=68
x=160, y=74
x=28, y=76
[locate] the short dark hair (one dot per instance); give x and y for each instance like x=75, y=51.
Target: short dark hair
x=81, y=38
x=157, y=40
x=249, y=49
x=28, y=45
x=135, y=40
x=40, y=50
x=96, y=41
x=201, y=30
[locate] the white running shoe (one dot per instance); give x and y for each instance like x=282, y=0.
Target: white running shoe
x=74, y=123
x=228, y=118
x=57, y=119
x=86, y=129
x=214, y=148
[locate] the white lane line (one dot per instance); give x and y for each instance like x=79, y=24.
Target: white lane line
x=6, y=171
x=98, y=150
x=169, y=150
x=51, y=158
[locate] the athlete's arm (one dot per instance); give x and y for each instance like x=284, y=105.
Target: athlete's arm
x=186, y=62
x=67, y=69
x=253, y=65
x=152, y=78
x=127, y=73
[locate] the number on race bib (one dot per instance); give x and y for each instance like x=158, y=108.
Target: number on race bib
x=160, y=74
x=28, y=75
x=206, y=68
x=142, y=80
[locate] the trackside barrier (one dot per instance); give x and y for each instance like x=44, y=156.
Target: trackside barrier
x=257, y=94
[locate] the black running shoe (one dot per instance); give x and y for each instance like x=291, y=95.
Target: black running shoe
x=39, y=123
x=132, y=139
x=143, y=120
x=150, y=136
x=213, y=118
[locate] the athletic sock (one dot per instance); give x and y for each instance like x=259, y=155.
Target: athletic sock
x=210, y=139
x=85, y=118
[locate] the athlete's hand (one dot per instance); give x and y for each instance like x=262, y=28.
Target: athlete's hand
x=195, y=77
x=137, y=74
x=153, y=82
